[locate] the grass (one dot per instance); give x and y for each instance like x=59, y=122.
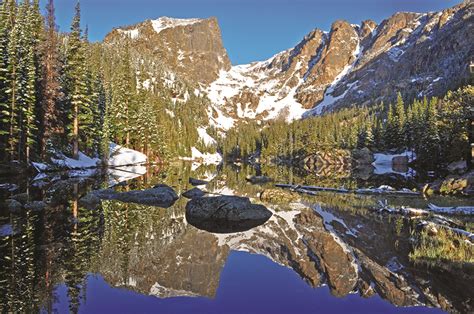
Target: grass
x=443, y=249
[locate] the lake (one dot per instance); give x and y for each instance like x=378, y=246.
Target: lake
x=329, y=253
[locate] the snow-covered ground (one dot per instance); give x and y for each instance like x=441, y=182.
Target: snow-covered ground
x=207, y=158
x=121, y=156
x=274, y=100
x=205, y=137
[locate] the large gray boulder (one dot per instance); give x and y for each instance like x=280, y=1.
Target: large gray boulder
x=225, y=214
x=159, y=196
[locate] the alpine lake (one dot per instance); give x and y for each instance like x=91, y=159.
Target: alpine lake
x=321, y=253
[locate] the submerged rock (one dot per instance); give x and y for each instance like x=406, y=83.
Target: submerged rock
x=14, y=206
x=159, y=196
x=22, y=198
x=225, y=214
x=194, y=193
x=90, y=201
x=197, y=182
x=279, y=196
x=258, y=179
x=35, y=206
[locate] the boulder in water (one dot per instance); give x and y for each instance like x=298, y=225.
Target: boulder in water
x=225, y=214
x=36, y=206
x=159, y=196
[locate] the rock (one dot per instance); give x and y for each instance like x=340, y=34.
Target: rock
x=194, y=193
x=363, y=156
x=225, y=214
x=160, y=196
x=196, y=182
x=258, y=179
x=35, y=206
x=22, y=198
x=14, y=206
x=400, y=161
x=6, y=230
x=90, y=201
x=458, y=167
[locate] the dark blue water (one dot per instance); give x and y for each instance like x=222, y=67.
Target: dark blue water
x=249, y=284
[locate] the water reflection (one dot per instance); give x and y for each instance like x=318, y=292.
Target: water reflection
x=333, y=241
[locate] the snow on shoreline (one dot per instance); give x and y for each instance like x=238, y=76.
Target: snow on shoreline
x=207, y=158
x=119, y=156
x=384, y=163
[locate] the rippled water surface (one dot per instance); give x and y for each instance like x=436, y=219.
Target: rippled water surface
x=328, y=253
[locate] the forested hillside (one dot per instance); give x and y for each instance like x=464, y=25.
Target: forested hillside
x=59, y=92
x=436, y=130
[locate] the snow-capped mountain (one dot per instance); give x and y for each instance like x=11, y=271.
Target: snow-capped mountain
x=412, y=53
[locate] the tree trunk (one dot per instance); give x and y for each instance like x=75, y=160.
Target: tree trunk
x=76, y=133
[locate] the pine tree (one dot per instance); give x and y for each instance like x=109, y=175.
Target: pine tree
x=76, y=84
x=123, y=93
x=51, y=122
x=400, y=140
x=4, y=108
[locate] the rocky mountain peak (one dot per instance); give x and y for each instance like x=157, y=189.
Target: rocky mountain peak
x=191, y=49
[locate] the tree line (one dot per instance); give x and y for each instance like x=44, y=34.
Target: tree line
x=436, y=130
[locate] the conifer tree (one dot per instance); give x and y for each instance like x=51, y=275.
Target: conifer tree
x=51, y=122
x=4, y=108
x=76, y=84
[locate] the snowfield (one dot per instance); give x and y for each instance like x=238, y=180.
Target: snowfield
x=121, y=156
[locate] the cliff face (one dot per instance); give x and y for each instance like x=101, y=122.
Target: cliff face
x=351, y=65
x=190, y=48
x=415, y=54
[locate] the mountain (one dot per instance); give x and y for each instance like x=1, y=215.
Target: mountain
x=351, y=65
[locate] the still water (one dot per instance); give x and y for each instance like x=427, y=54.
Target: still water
x=317, y=254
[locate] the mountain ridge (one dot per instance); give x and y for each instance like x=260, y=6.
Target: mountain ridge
x=417, y=54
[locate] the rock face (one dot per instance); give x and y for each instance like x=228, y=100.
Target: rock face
x=334, y=157
x=412, y=53
x=225, y=214
x=190, y=48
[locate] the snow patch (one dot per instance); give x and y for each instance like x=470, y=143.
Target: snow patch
x=163, y=23
x=83, y=162
x=205, y=137
x=207, y=158
x=121, y=156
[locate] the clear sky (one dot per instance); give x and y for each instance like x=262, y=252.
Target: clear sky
x=252, y=30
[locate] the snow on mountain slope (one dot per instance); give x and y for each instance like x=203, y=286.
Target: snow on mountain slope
x=412, y=53
x=166, y=22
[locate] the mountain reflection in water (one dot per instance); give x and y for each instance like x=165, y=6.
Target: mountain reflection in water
x=329, y=253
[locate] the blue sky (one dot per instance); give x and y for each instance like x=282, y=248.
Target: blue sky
x=252, y=30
